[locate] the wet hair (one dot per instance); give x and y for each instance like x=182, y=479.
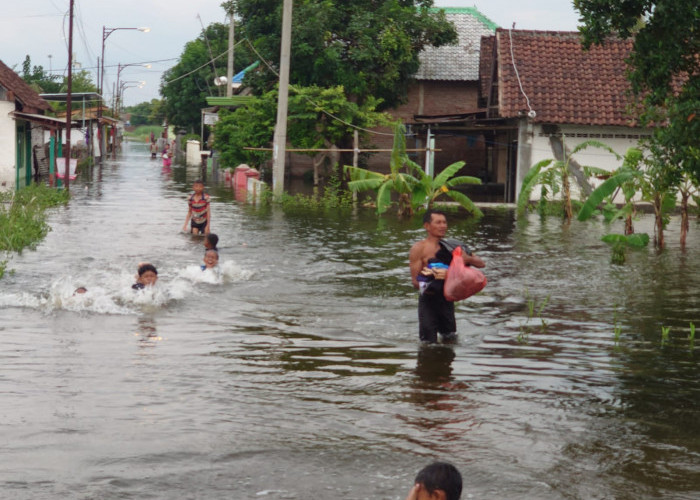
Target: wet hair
x=441, y=476
x=147, y=267
x=212, y=239
x=198, y=181
x=428, y=215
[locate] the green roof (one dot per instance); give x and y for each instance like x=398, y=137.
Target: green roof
x=236, y=100
x=469, y=10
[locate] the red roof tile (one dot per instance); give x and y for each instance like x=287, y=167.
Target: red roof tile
x=563, y=82
x=30, y=100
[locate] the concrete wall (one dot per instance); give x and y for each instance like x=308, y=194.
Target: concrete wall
x=535, y=145
x=8, y=154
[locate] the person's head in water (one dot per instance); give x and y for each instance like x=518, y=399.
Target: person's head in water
x=437, y=481
x=211, y=259
x=80, y=290
x=148, y=274
x=435, y=223
x=210, y=241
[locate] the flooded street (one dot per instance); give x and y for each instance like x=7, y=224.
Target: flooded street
x=297, y=373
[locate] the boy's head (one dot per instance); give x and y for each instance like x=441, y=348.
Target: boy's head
x=198, y=186
x=210, y=241
x=80, y=290
x=440, y=480
x=211, y=258
x=148, y=274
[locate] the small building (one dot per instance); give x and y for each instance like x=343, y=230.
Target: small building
x=544, y=94
x=22, y=125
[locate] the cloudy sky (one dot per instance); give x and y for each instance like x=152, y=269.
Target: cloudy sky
x=39, y=28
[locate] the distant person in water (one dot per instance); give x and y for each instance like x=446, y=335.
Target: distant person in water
x=211, y=260
x=199, y=213
x=210, y=242
x=147, y=276
x=80, y=290
x=437, y=481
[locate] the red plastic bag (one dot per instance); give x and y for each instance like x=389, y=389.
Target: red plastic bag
x=462, y=281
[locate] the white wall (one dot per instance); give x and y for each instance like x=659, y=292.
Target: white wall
x=620, y=139
x=8, y=155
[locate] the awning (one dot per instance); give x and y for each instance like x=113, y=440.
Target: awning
x=44, y=121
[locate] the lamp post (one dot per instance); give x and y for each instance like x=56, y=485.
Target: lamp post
x=120, y=67
x=105, y=34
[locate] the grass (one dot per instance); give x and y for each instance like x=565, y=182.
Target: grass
x=142, y=133
x=23, y=217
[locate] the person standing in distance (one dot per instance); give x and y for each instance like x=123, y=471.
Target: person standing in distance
x=428, y=261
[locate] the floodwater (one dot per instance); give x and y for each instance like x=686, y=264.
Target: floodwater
x=296, y=373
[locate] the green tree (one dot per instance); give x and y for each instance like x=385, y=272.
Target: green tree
x=664, y=64
x=369, y=47
x=322, y=117
x=186, y=85
x=40, y=80
x=147, y=113
x=251, y=125
x=310, y=110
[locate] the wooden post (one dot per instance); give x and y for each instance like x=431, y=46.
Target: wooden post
x=280, y=139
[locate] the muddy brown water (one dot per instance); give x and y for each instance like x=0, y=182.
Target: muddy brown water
x=297, y=372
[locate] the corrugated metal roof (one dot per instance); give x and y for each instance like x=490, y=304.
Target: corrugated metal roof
x=457, y=62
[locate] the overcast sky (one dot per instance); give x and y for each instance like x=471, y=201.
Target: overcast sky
x=39, y=28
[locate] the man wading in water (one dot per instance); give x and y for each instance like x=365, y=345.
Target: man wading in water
x=428, y=260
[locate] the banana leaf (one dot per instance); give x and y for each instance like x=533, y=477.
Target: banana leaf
x=463, y=179
x=449, y=171
x=465, y=202
x=529, y=182
x=606, y=189
x=384, y=197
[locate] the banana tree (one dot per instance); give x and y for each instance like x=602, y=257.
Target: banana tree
x=553, y=176
x=428, y=190
x=414, y=191
x=397, y=181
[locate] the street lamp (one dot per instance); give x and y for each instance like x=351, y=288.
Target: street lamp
x=105, y=34
x=127, y=85
x=120, y=67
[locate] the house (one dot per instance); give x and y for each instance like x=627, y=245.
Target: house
x=22, y=125
x=544, y=95
x=446, y=88
x=446, y=85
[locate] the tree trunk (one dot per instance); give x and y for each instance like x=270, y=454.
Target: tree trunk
x=685, y=224
x=629, y=228
x=317, y=161
x=568, y=211
x=659, y=221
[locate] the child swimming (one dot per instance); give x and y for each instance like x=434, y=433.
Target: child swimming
x=147, y=276
x=211, y=260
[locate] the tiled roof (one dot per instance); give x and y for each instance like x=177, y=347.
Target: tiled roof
x=30, y=99
x=461, y=61
x=564, y=82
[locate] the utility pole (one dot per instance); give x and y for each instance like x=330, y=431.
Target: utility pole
x=280, y=139
x=229, y=71
x=69, y=100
